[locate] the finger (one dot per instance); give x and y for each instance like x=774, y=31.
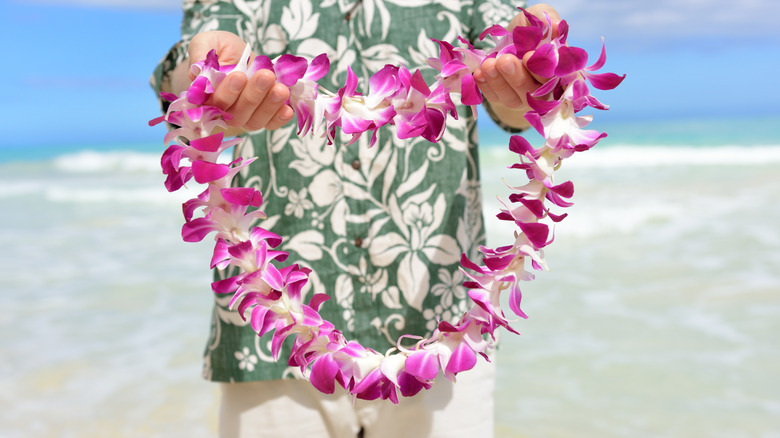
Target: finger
x=281, y=118
x=482, y=80
x=251, y=97
x=228, y=46
x=273, y=102
x=229, y=90
x=519, y=20
x=507, y=78
x=517, y=77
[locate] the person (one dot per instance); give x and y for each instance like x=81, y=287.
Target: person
x=381, y=227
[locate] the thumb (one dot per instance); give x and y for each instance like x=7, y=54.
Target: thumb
x=228, y=46
x=539, y=11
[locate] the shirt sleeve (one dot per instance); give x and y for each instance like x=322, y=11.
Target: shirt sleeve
x=172, y=58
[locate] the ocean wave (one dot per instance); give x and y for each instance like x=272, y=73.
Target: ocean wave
x=108, y=162
x=612, y=156
x=21, y=188
x=631, y=156
x=79, y=193
x=114, y=195
x=593, y=221
x=116, y=161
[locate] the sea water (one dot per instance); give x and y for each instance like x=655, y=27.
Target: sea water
x=657, y=318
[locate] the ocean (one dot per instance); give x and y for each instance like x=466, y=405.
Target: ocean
x=658, y=317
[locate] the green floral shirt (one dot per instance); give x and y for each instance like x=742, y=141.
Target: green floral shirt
x=383, y=228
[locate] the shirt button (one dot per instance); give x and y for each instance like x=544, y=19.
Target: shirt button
x=356, y=164
x=358, y=242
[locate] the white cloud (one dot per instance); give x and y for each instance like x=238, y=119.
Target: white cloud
x=665, y=20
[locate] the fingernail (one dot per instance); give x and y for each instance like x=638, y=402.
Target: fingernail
x=507, y=68
x=264, y=83
x=236, y=83
x=491, y=73
x=276, y=97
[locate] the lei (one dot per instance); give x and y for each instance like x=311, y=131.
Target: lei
x=270, y=298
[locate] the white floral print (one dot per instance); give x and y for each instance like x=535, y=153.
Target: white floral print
x=246, y=360
x=299, y=203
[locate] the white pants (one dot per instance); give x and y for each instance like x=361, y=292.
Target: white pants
x=293, y=408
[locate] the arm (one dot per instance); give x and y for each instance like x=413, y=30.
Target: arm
x=505, y=81
x=255, y=103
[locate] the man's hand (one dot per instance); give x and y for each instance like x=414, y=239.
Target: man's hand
x=255, y=103
x=505, y=81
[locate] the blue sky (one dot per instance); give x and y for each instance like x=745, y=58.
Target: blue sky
x=76, y=71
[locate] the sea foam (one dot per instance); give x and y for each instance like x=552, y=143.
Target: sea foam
x=631, y=156
x=110, y=162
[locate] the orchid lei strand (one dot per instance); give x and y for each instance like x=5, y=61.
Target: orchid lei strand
x=270, y=297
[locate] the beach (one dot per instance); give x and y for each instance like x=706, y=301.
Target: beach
x=657, y=317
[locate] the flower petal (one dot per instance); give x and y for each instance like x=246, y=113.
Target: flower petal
x=205, y=171
x=323, y=374
x=289, y=69
x=423, y=364
x=543, y=61
x=570, y=60
x=463, y=358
